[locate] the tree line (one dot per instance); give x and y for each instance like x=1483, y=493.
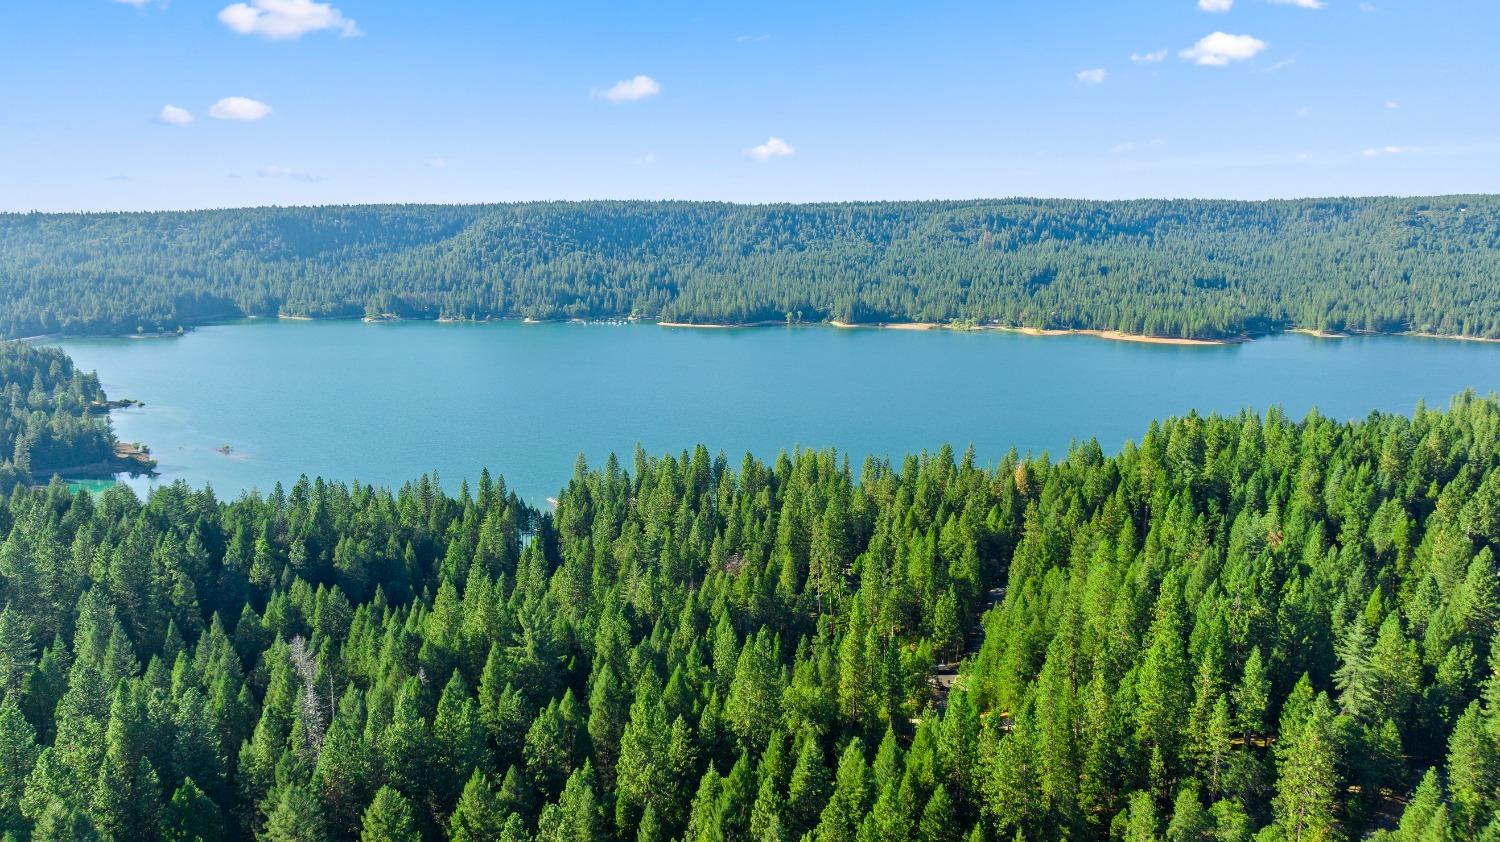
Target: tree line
x=52, y=416
x=1242, y=628
x=1193, y=268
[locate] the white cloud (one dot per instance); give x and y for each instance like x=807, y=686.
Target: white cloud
x=174, y=116
x=774, y=147
x=438, y=163
x=136, y=3
x=1303, y=113
x=238, y=108
x=279, y=171
x=1132, y=146
x=285, y=18
x=1378, y=151
x=1216, y=5
x=1095, y=76
x=1303, y=4
x=646, y=160
x=1149, y=58
x=631, y=90
x=1391, y=103
x=1218, y=49
x=751, y=39
x=1367, y=7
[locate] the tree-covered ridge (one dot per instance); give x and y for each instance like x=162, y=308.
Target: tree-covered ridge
x=1243, y=627
x=1192, y=268
x=52, y=416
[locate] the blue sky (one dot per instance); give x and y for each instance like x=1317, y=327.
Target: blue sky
x=446, y=101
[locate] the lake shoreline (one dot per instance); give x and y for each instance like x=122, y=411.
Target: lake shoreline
x=1099, y=333
x=129, y=458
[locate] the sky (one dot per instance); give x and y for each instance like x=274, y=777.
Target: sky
x=176, y=104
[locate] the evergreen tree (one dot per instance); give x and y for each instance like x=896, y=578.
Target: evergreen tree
x=389, y=819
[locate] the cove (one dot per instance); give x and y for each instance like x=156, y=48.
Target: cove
x=383, y=403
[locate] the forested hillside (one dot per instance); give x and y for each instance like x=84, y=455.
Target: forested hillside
x=1242, y=627
x=52, y=416
x=1173, y=268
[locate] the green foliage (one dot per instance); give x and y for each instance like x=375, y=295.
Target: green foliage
x=389, y=819
x=52, y=418
x=1241, y=626
x=1172, y=268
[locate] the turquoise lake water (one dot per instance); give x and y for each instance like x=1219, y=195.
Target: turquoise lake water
x=382, y=403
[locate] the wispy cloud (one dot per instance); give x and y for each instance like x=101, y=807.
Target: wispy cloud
x=774, y=147
x=286, y=19
x=1392, y=104
x=630, y=90
x=279, y=171
x=645, y=160
x=438, y=163
x=1216, y=5
x=1153, y=57
x=238, y=108
x=1132, y=146
x=1094, y=76
x=1301, y=4
x=751, y=39
x=171, y=115
x=136, y=3
x=1220, y=48
x=1367, y=8
x=1281, y=65
x=1380, y=151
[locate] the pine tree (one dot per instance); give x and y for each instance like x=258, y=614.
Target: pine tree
x=390, y=818
x=17, y=653
x=294, y=815
x=1163, y=680
x=478, y=816
x=18, y=756
x=1189, y=822
x=1355, y=678
x=61, y=823
x=841, y=817
x=809, y=787
x=939, y=823
x=577, y=815
x=1307, y=780
x=1252, y=698
x=1473, y=773
x=459, y=736
x=191, y=815
x=753, y=706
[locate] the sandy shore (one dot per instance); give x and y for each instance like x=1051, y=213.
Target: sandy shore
x=888, y=325
x=701, y=326
x=1120, y=336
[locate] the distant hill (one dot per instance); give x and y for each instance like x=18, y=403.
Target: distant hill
x=1193, y=268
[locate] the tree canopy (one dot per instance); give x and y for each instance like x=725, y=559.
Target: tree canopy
x=52, y=416
x=1191, y=268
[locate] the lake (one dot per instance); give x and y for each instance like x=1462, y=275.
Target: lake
x=382, y=403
